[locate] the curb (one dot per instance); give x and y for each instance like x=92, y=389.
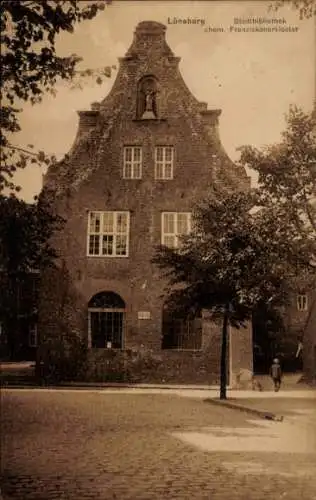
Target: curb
x=253, y=411
x=79, y=387
x=106, y=385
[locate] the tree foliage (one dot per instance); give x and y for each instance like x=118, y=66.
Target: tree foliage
x=234, y=255
x=31, y=67
x=235, y=259
x=25, y=230
x=306, y=8
x=287, y=176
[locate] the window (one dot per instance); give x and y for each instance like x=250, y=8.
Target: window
x=106, y=321
x=108, y=234
x=174, y=225
x=132, y=168
x=33, y=339
x=302, y=302
x=164, y=162
x=181, y=333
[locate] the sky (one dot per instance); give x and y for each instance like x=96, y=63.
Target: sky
x=253, y=77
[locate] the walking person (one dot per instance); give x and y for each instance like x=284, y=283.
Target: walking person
x=276, y=374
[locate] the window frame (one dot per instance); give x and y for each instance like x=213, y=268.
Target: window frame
x=101, y=233
x=175, y=234
x=33, y=330
x=302, y=302
x=132, y=163
x=164, y=163
x=92, y=339
x=178, y=330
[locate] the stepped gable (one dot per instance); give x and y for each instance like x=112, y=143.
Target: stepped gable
x=149, y=35
x=149, y=56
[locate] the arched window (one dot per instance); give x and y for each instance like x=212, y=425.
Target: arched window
x=182, y=332
x=106, y=312
x=147, y=98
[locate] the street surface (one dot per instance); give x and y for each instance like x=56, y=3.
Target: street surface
x=90, y=444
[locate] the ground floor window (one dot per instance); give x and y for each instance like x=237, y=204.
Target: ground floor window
x=182, y=333
x=302, y=302
x=106, y=320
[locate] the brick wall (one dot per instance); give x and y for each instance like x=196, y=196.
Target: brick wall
x=90, y=178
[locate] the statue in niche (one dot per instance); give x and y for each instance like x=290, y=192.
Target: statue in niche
x=150, y=104
x=147, y=99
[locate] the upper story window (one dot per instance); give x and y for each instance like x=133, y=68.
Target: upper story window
x=132, y=168
x=164, y=162
x=174, y=225
x=302, y=302
x=108, y=234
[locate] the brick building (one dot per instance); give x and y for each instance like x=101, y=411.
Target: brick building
x=141, y=159
x=299, y=340
x=309, y=341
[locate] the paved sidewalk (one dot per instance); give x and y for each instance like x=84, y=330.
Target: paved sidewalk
x=265, y=403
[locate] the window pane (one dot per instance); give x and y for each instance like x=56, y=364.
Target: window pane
x=136, y=155
x=170, y=241
x=159, y=154
x=168, y=154
x=121, y=245
x=107, y=245
x=94, y=244
x=121, y=223
x=137, y=171
x=128, y=171
x=183, y=224
x=159, y=171
x=128, y=154
x=168, y=223
x=94, y=222
x=108, y=222
x=168, y=171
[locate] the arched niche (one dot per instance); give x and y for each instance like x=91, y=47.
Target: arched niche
x=147, y=95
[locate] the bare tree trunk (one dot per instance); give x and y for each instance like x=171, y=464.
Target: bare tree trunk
x=223, y=382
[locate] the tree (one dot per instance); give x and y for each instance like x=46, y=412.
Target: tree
x=235, y=259
x=306, y=8
x=24, y=247
x=30, y=67
x=287, y=174
x=287, y=181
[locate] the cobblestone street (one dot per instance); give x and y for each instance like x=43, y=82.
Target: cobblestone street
x=79, y=445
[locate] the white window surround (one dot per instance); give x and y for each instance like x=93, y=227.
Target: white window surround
x=164, y=160
x=302, y=302
x=173, y=226
x=108, y=234
x=132, y=163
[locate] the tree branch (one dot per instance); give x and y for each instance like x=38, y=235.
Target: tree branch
x=16, y=148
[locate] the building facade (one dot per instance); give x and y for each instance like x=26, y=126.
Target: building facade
x=299, y=342
x=309, y=342
x=141, y=160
